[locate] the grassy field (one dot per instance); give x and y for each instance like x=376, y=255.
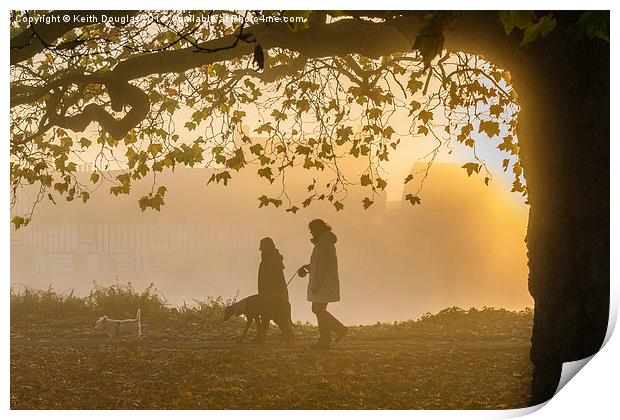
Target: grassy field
x=453, y=359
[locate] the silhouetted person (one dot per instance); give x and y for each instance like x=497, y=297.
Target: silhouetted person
x=323, y=285
x=271, y=282
x=271, y=270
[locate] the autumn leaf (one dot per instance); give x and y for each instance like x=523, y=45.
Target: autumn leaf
x=256, y=149
x=521, y=19
x=540, y=29
x=266, y=173
x=495, y=110
x=490, y=128
x=237, y=161
x=279, y=115
x=222, y=177
x=472, y=167
x=425, y=116
x=429, y=43
x=263, y=201
x=526, y=20
x=19, y=221
x=508, y=145
x=413, y=199
x=266, y=127
x=154, y=149
x=414, y=85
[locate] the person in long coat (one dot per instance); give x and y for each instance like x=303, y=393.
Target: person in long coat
x=324, y=284
x=271, y=282
x=271, y=271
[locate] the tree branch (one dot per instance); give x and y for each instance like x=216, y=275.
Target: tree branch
x=121, y=94
x=339, y=39
x=39, y=36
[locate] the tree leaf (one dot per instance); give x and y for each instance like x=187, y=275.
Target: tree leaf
x=521, y=19
x=84, y=142
x=154, y=149
x=540, y=29
x=594, y=24
x=237, y=161
x=490, y=128
x=266, y=173
x=472, y=167
x=413, y=199
x=425, y=116
x=429, y=42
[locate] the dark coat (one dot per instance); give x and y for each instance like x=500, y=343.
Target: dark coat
x=271, y=275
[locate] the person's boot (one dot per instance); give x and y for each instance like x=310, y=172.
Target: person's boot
x=336, y=326
x=324, y=336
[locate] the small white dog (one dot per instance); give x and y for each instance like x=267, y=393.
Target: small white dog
x=118, y=327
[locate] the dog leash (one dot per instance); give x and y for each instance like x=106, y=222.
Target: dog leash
x=289, y=282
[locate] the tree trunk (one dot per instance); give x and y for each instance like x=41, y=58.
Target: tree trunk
x=564, y=135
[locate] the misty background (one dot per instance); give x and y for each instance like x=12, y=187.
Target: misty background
x=464, y=246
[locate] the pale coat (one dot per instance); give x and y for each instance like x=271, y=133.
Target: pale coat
x=324, y=270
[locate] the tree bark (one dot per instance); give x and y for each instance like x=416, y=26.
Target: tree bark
x=563, y=87
x=564, y=137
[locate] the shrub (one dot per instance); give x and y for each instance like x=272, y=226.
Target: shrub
x=117, y=301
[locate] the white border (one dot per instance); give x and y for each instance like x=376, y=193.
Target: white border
x=592, y=394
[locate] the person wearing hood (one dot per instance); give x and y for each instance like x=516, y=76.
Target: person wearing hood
x=271, y=282
x=323, y=284
x=271, y=271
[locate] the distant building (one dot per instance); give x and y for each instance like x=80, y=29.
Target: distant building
x=462, y=246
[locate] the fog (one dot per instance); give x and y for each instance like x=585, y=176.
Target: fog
x=464, y=246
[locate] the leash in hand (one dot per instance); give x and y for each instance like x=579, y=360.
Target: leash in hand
x=301, y=273
x=289, y=282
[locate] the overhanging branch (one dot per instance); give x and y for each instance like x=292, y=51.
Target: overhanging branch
x=339, y=39
x=37, y=37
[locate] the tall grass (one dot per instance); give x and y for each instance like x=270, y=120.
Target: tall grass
x=116, y=301
x=31, y=304
x=49, y=308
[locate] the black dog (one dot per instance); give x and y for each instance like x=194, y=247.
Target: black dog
x=262, y=309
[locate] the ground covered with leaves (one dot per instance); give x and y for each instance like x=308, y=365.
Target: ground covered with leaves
x=452, y=359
